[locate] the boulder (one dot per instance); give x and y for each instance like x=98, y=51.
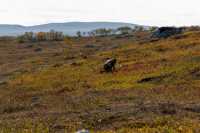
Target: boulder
x=3, y=82
x=38, y=49
x=164, y=32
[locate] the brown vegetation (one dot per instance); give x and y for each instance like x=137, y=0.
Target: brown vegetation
x=57, y=86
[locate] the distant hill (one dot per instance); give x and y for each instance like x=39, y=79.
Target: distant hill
x=69, y=28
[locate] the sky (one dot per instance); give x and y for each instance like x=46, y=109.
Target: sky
x=143, y=12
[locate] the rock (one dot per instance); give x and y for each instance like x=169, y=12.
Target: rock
x=75, y=64
x=38, y=49
x=29, y=46
x=90, y=46
x=57, y=65
x=164, y=32
x=154, y=79
x=83, y=56
x=35, y=99
x=168, y=108
x=3, y=83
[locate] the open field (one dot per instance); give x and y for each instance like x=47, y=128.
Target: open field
x=58, y=87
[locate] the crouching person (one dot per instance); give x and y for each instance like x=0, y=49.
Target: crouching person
x=109, y=65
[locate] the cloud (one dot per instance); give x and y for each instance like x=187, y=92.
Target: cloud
x=151, y=12
x=3, y=10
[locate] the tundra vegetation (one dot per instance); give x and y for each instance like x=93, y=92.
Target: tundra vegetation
x=57, y=86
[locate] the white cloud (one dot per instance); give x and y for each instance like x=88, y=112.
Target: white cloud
x=147, y=12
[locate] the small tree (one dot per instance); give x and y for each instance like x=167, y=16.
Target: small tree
x=78, y=33
x=41, y=36
x=59, y=36
x=28, y=36
x=84, y=33
x=125, y=30
x=102, y=32
x=21, y=39
x=91, y=33
x=139, y=28
x=152, y=29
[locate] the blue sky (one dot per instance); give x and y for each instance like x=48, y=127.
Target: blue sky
x=146, y=12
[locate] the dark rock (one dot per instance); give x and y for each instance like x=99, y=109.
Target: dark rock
x=193, y=108
x=153, y=79
x=3, y=83
x=57, y=65
x=164, y=32
x=195, y=73
x=168, y=108
x=38, y=49
x=76, y=64
x=29, y=46
x=35, y=99
x=56, y=54
x=90, y=46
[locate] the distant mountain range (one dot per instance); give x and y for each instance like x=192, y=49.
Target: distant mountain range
x=69, y=28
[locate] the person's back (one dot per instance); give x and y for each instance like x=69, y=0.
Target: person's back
x=109, y=65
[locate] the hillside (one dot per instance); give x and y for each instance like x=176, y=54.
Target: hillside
x=67, y=28
x=60, y=88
